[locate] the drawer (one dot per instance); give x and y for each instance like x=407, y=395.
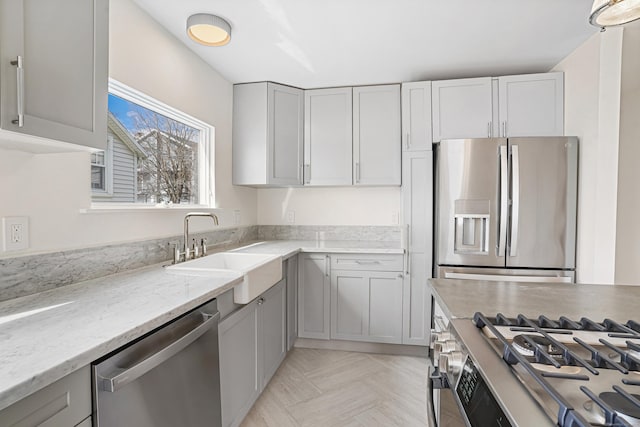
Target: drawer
x=368, y=262
x=67, y=402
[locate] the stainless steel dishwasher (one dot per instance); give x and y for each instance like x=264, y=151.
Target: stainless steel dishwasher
x=168, y=378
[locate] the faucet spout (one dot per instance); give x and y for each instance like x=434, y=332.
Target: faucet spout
x=187, y=251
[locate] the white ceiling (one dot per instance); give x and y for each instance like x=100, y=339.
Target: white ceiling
x=321, y=43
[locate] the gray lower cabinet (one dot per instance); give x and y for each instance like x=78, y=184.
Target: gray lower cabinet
x=290, y=268
x=366, y=297
x=313, y=296
x=252, y=346
x=356, y=297
x=67, y=402
x=366, y=306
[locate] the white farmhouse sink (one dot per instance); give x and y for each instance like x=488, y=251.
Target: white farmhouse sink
x=259, y=271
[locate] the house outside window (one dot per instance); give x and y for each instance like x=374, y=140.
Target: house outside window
x=158, y=154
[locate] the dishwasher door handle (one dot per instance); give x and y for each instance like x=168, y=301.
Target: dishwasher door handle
x=124, y=377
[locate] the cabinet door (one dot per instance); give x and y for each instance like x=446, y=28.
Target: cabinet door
x=531, y=105
x=239, y=370
x=462, y=108
x=66, y=402
x=417, y=208
x=63, y=79
x=349, y=305
x=272, y=321
x=313, y=296
x=377, y=146
x=249, y=145
x=285, y=135
x=328, y=136
x=292, y=301
x=366, y=306
x=416, y=116
x=385, y=307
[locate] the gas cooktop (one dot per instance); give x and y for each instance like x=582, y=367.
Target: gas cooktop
x=582, y=372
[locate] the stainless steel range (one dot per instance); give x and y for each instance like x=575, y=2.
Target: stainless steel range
x=540, y=372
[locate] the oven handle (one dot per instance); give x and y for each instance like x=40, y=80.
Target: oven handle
x=431, y=410
x=124, y=377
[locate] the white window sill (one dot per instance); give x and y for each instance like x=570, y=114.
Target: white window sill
x=97, y=208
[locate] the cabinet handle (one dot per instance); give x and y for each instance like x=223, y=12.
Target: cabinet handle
x=307, y=174
x=326, y=265
x=489, y=129
x=408, y=269
x=357, y=172
x=504, y=129
x=364, y=262
x=400, y=276
x=18, y=63
x=408, y=141
x=260, y=301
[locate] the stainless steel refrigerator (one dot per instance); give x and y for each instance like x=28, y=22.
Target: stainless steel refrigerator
x=507, y=207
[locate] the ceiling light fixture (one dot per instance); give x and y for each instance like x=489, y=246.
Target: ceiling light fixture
x=607, y=13
x=209, y=30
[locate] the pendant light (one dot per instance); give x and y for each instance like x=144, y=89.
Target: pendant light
x=607, y=13
x=209, y=30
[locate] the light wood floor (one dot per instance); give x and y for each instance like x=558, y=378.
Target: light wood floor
x=339, y=388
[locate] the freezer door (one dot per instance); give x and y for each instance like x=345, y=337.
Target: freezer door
x=542, y=230
x=472, y=197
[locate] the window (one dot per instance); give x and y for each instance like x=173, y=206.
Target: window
x=158, y=155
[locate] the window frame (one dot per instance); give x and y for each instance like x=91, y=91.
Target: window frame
x=206, y=150
x=108, y=172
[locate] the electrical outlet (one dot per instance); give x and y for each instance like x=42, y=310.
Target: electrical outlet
x=395, y=218
x=15, y=231
x=291, y=217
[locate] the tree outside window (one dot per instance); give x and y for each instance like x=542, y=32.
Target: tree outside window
x=156, y=157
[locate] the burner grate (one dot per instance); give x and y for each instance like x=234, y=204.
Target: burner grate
x=567, y=415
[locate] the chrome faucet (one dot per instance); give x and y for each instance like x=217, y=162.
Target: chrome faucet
x=189, y=253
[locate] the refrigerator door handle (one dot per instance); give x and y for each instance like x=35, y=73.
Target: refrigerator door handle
x=504, y=201
x=506, y=278
x=515, y=201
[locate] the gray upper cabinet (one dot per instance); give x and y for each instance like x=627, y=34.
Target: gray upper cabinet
x=462, y=108
x=508, y=106
x=416, y=116
x=267, y=134
x=376, y=135
x=531, y=105
x=328, y=136
x=53, y=73
x=417, y=208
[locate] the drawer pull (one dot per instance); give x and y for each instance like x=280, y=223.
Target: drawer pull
x=362, y=262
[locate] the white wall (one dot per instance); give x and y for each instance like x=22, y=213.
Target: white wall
x=628, y=229
x=330, y=206
x=52, y=189
x=602, y=108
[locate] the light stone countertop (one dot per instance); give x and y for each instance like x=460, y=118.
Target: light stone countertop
x=46, y=336
x=463, y=298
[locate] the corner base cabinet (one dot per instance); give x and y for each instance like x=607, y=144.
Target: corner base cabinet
x=355, y=297
x=313, y=296
x=252, y=346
